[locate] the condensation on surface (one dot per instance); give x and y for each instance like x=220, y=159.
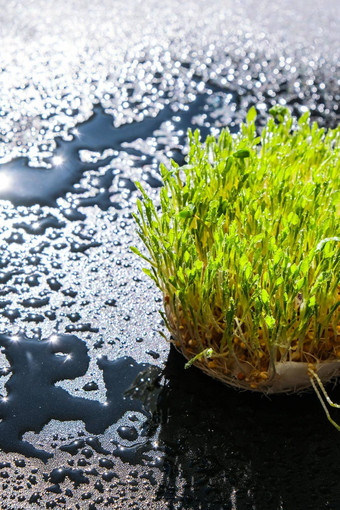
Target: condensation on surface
x=134, y=57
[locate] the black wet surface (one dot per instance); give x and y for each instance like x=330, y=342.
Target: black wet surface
x=33, y=399
x=96, y=410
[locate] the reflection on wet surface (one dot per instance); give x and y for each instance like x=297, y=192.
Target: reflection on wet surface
x=244, y=447
x=95, y=97
x=26, y=185
x=33, y=400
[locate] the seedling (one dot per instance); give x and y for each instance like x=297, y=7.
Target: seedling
x=245, y=248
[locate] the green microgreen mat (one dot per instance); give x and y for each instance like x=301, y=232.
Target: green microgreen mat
x=246, y=244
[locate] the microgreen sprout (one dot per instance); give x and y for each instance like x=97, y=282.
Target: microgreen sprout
x=246, y=250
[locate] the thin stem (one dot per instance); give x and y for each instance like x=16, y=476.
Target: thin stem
x=323, y=404
x=321, y=386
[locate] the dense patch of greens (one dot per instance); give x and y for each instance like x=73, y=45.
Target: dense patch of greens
x=246, y=246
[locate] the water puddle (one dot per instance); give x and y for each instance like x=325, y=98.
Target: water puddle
x=33, y=399
x=27, y=185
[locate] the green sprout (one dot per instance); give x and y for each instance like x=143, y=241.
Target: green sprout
x=245, y=248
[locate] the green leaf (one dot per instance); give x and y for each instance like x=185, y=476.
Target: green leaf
x=251, y=115
x=264, y=296
x=207, y=353
x=270, y=321
x=279, y=112
x=187, y=256
x=299, y=284
x=293, y=218
x=137, y=252
x=242, y=153
x=279, y=281
x=312, y=301
x=188, y=212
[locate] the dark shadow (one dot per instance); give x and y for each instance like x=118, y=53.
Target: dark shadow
x=240, y=450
